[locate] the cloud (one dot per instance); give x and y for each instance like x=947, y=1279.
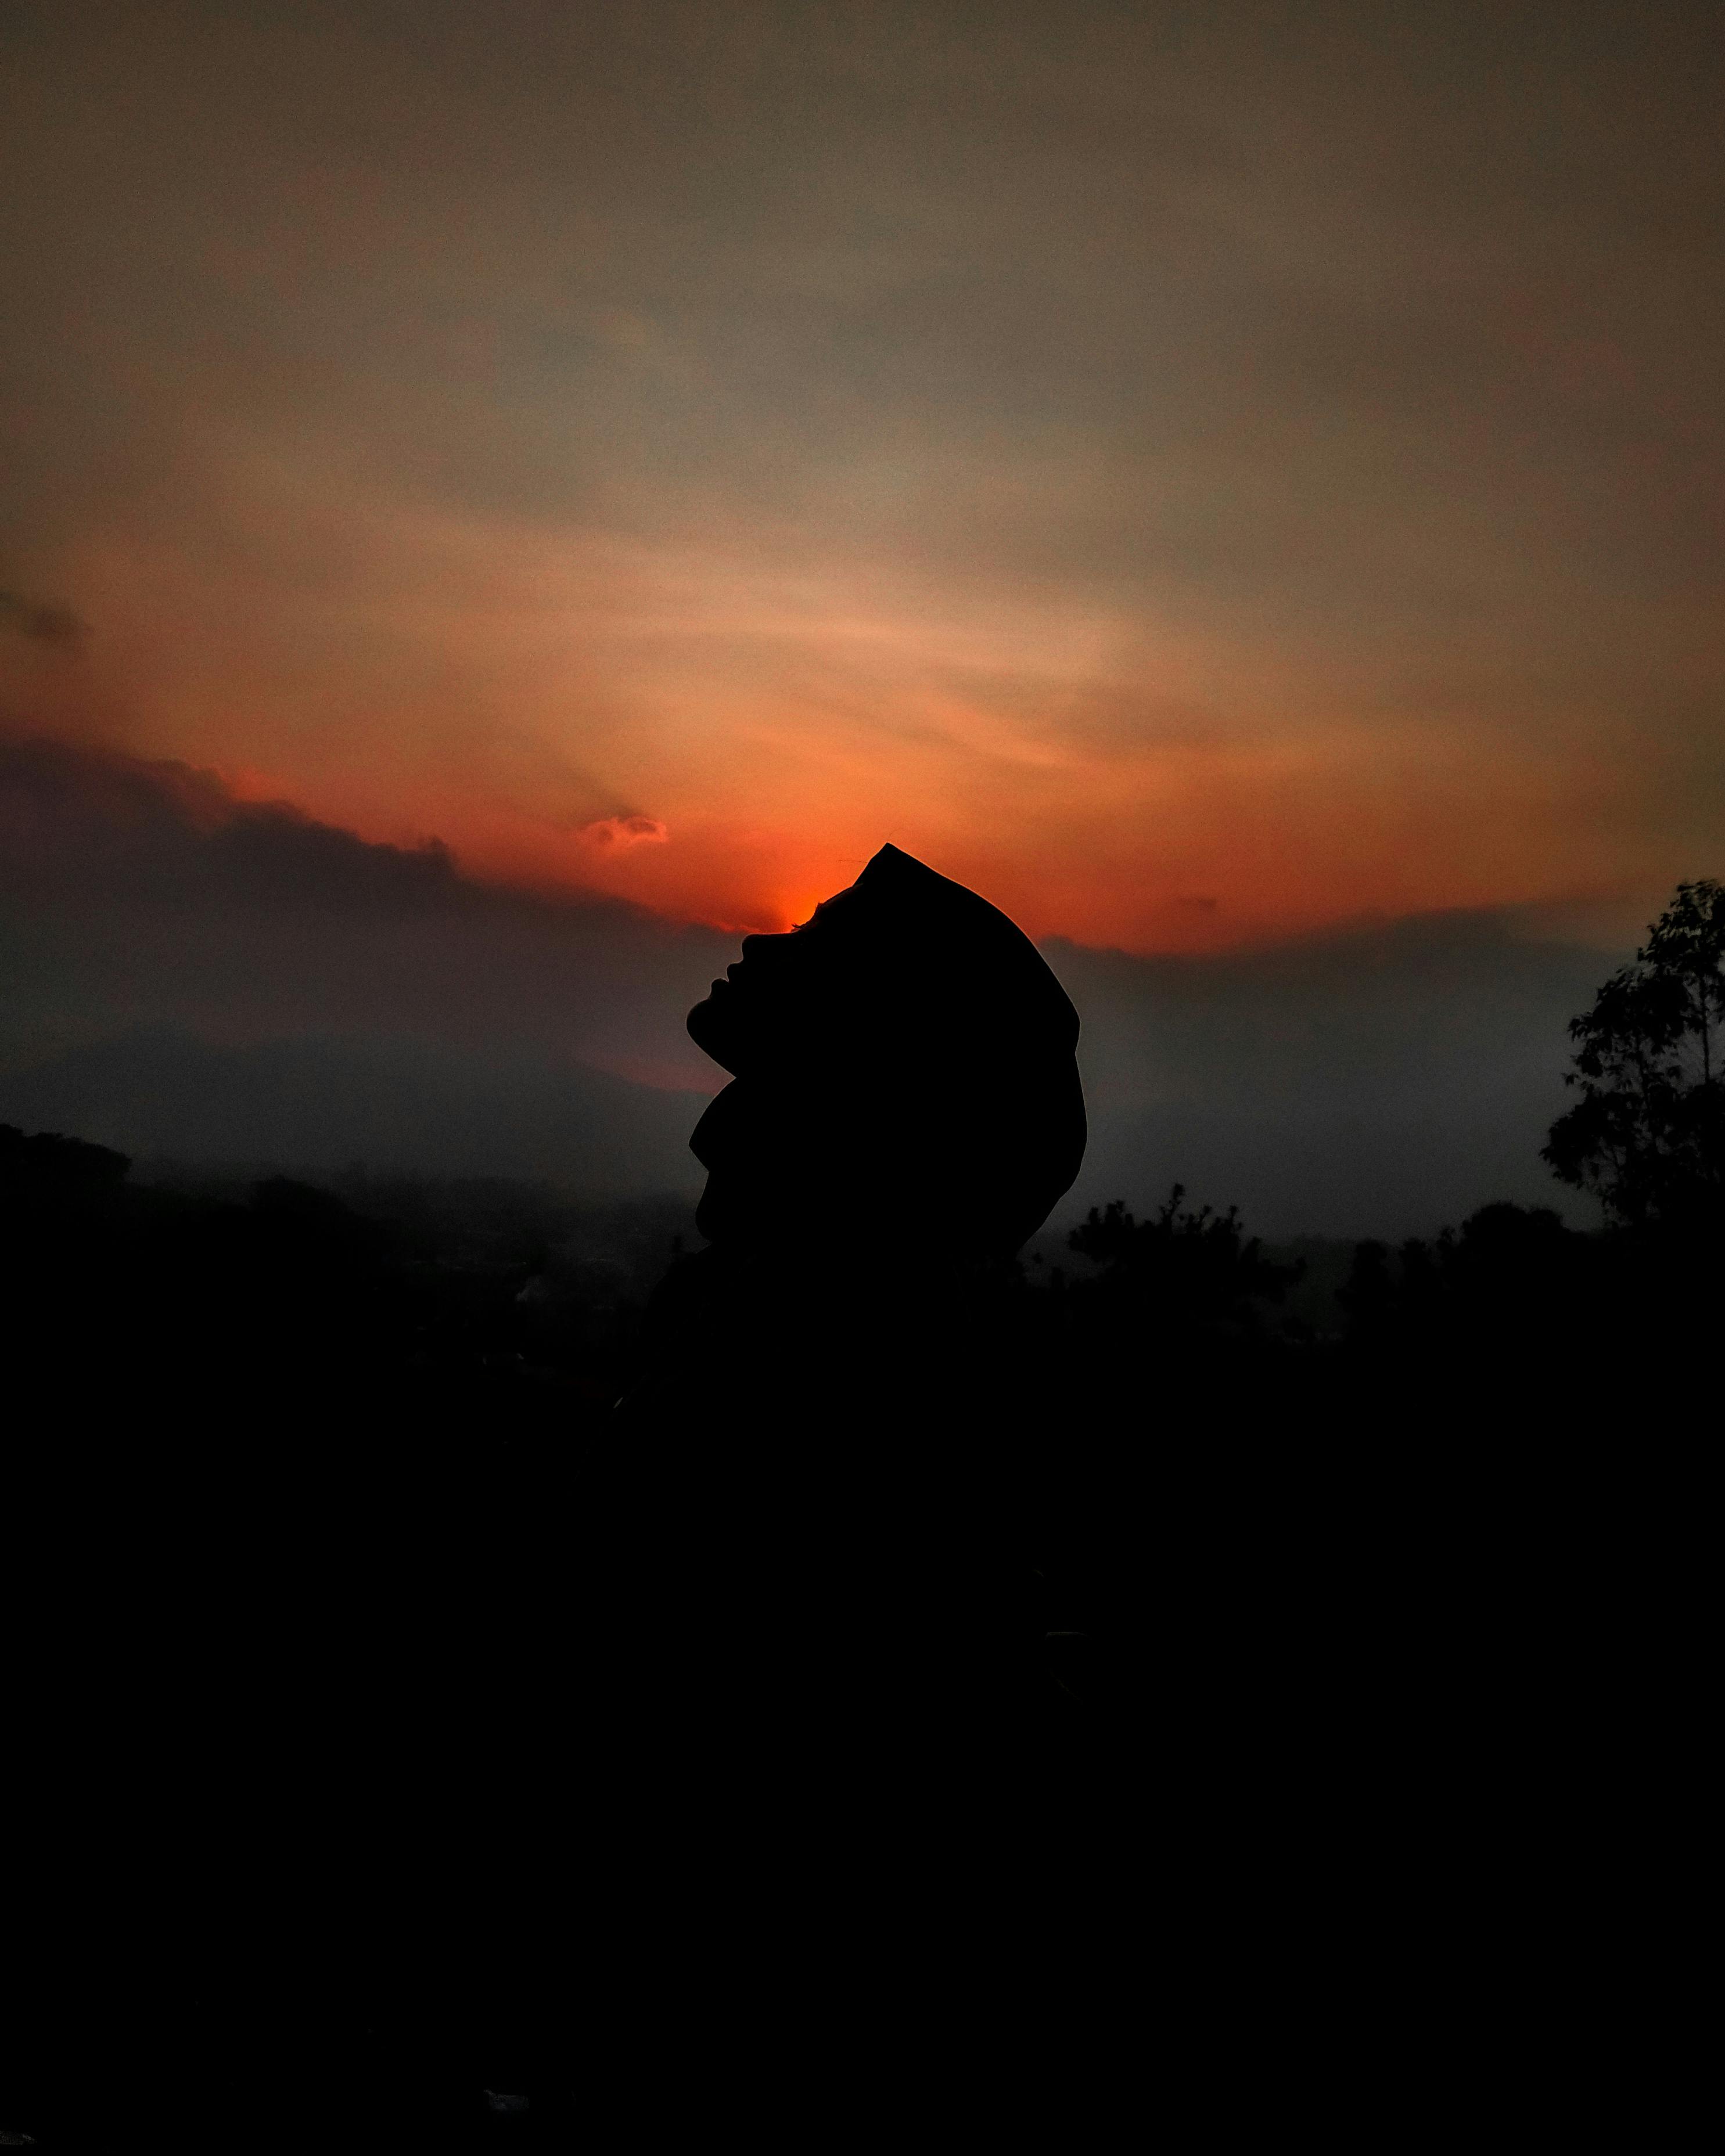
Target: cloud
x=1377, y=1079
x=625, y=831
x=137, y=892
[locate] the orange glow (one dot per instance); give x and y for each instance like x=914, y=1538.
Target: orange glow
x=726, y=737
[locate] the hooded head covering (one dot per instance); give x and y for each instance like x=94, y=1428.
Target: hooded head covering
x=905, y=1061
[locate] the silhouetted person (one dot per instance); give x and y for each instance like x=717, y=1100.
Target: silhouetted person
x=906, y=1057
x=904, y=1110
x=826, y=1447
x=841, y=1703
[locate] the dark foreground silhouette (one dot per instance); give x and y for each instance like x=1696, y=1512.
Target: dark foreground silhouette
x=933, y=1666
x=825, y=1449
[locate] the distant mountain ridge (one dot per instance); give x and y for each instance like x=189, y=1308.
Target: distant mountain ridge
x=399, y=1106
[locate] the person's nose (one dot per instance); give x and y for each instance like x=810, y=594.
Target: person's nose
x=755, y=948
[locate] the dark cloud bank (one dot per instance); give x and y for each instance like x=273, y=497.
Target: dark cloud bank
x=190, y=977
x=1380, y=1079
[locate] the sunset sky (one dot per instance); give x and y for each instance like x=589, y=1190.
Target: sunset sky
x=1201, y=474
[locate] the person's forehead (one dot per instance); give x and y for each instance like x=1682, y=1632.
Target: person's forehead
x=843, y=904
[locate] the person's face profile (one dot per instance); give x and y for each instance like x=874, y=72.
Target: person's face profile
x=770, y=999
x=906, y=1045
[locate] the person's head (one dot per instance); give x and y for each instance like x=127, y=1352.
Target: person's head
x=906, y=1059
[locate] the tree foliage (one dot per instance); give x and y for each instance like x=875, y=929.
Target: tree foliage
x=1647, y=1135
x=1184, y=1265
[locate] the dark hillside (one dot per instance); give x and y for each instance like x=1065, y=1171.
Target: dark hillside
x=318, y=1630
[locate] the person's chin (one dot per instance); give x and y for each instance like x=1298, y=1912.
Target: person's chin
x=707, y=1030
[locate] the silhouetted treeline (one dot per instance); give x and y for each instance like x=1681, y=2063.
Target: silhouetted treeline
x=317, y=1484
x=387, y=1311
x=402, y=1308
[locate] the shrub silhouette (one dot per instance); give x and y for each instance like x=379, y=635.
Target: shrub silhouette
x=1180, y=1267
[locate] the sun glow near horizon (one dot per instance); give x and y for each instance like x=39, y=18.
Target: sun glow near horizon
x=586, y=715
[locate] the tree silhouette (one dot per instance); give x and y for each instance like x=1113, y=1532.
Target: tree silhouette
x=1647, y=1136
x=1187, y=1267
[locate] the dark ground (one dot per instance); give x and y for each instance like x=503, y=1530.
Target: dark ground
x=378, y=1734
